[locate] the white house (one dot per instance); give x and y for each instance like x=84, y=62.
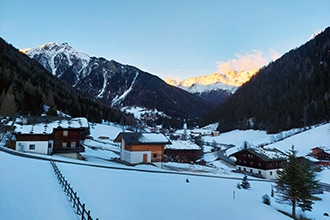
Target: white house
x=61, y=136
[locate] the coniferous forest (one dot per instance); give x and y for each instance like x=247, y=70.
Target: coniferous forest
x=293, y=91
x=25, y=86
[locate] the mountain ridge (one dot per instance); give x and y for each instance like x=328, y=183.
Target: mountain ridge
x=116, y=84
x=215, y=87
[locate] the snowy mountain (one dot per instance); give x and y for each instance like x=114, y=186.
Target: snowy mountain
x=56, y=57
x=218, y=85
x=115, y=84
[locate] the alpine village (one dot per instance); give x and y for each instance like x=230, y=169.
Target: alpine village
x=103, y=139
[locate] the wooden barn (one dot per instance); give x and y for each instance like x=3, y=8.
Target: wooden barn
x=140, y=147
x=263, y=162
x=64, y=137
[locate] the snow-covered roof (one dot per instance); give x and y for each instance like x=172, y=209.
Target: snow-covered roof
x=266, y=154
x=325, y=149
x=142, y=138
x=47, y=128
x=183, y=145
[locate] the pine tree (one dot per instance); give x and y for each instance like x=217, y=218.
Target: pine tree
x=295, y=184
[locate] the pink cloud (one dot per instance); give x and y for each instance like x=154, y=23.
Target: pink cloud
x=253, y=60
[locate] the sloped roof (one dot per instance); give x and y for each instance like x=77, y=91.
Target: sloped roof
x=183, y=145
x=47, y=128
x=266, y=154
x=142, y=138
x=323, y=148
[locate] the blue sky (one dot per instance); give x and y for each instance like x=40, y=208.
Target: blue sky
x=172, y=38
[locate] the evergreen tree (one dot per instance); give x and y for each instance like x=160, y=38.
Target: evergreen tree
x=245, y=183
x=295, y=183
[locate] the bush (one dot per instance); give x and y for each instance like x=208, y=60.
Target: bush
x=266, y=199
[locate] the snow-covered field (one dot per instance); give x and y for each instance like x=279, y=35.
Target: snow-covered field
x=29, y=188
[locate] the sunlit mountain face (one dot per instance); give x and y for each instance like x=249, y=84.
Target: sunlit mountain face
x=231, y=78
x=215, y=87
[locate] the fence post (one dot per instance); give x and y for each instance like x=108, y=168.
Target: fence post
x=89, y=215
x=83, y=212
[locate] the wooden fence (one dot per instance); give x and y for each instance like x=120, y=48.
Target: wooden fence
x=74, y=199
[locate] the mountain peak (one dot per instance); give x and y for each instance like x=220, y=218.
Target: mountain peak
x=55, y=54
x=228, y=81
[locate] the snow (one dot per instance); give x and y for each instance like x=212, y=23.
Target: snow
x=183, y=145
x=29, y=188
x=51, y=50
x=152, y=138
x=200, y=88
x=303, y=141
x=139, y=111
x=122, y=97
x=48, y=128
x=270, y=153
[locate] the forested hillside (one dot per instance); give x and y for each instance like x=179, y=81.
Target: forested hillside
x=293, y=91
x=25, y=86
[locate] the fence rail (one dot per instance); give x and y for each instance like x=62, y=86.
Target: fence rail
x=74, y=199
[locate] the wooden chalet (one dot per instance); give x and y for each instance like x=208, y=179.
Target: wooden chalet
x=322, y=154
x=263, y=162
x=59, y=137
x=183, y=152
x=139, y=147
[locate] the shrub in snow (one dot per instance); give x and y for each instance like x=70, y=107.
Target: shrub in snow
x=266, y=199
x=245, y=184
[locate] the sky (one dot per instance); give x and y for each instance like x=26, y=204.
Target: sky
x=172, y=38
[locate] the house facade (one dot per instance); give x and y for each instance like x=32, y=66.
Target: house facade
x=260, y=161
x=58, y=137
x=34, y=143
x=138, y=147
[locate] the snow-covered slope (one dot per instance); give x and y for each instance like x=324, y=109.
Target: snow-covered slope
x=55, y=56
x=28, y=190
x=215, y=87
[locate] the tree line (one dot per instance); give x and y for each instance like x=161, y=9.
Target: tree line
x=292, y=91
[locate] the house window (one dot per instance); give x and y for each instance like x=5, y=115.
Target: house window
x=244, y=161
x=73, y=145
x=239, y=168
x=64, y=144
x=251, y=162
x=251, y=171
x=259, y=164
x=271, y=173
x=244, y=169
x=32, y=146
x=259, y=172
x=65, y=133
x=155, y=156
